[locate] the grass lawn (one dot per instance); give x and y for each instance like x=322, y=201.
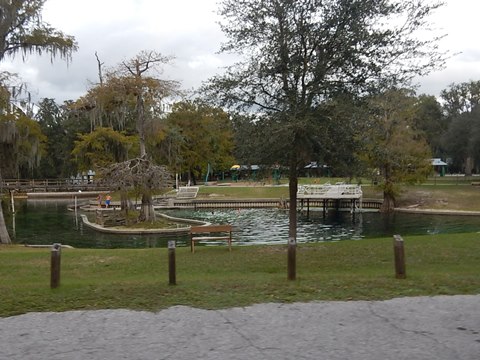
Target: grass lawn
x=213, y=277
x=440, y=195
x=243, y=192
x=444, y=197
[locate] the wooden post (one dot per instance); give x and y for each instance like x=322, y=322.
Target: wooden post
x=12, y=201
x=292, y=261
x=55, y=266
x=399, y=254
x=172, y=273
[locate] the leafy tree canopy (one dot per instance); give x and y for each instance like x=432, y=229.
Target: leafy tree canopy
x=103, y=147
x=22, y=30
x=298, y=54
x=22, y=144
x=392, y=146
x=196, y=135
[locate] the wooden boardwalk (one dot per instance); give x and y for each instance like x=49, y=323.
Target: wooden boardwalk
x=50, y=185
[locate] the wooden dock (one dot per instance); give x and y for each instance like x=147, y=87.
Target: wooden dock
x=327, y=193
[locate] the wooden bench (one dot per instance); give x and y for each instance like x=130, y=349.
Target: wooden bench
x=224, y=232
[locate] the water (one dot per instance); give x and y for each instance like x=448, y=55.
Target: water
x=49, y=221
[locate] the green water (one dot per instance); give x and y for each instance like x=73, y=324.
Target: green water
x=49, y=221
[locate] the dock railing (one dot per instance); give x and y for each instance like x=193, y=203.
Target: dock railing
x=328, y=191
x=50, y=185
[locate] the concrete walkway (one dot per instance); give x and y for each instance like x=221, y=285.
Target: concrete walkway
x=445, y=327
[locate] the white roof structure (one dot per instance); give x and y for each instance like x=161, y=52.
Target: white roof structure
x=438, y=162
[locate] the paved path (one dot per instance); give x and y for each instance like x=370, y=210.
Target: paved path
x=445, y=327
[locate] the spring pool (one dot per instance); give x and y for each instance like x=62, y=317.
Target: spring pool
x=49, y=221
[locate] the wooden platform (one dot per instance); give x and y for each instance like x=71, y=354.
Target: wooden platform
x=328, y=193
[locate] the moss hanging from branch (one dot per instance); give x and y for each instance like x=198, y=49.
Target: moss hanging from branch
x=138, y=174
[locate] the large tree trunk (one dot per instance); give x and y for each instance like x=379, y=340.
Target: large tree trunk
x=141, y=124
x=388, y=202
x=469, y=165
x=146, y=211
x=4, y=236
x=388, y=191
x=292, y=217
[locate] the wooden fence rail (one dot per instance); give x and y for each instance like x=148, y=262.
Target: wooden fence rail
x=50, y=185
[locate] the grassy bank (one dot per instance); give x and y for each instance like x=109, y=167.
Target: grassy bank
x=443, y=195
x=216, y=278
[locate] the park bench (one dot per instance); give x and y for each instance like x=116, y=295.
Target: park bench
x=214, y=232
x=187, y=192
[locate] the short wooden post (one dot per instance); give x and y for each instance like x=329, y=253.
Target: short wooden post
x=292, y=261
x=55, y=265
x=172, y=272
x=399, y=254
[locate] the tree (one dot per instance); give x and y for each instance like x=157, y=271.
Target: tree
x=430, y=119
x=298, y=54
x=103, y=147
x=129, y=98
x=393, y=146
x=461, y=105
x=461, y=98
x=22, y=30
x=143, y=87
x=249, y=139
x=339, y=139
x=50, y=118
x=462, y=141
x=201, y=135
x=137, y=174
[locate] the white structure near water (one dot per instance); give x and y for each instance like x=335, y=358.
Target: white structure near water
x=328, y=192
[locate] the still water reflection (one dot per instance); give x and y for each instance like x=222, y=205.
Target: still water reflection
x=49, y=221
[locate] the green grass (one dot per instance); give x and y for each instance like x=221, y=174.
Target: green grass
x=443, y=194
x=255, y=190
x=243, y=192
x=213, y=277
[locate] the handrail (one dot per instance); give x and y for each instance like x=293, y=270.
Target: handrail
x=330, y=190
x=47, y=185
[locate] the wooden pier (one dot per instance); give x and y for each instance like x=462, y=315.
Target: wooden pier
x=327, y=194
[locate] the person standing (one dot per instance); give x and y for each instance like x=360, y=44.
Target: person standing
x=99, y=200
x=108, y=199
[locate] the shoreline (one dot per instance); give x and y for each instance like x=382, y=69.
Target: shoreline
x=438, y=211
x=117, y=230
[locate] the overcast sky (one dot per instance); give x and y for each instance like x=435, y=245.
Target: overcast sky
x=187, y=29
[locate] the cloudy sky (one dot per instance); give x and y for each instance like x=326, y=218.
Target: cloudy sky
x=187, y=29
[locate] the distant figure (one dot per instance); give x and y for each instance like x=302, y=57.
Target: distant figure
x=108, y=198
x=99, y=199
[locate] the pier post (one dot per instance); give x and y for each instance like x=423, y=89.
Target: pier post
x=55, y=258
x=292, y=262
x=172, y=272
x=399, y=254
x=12, y=200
